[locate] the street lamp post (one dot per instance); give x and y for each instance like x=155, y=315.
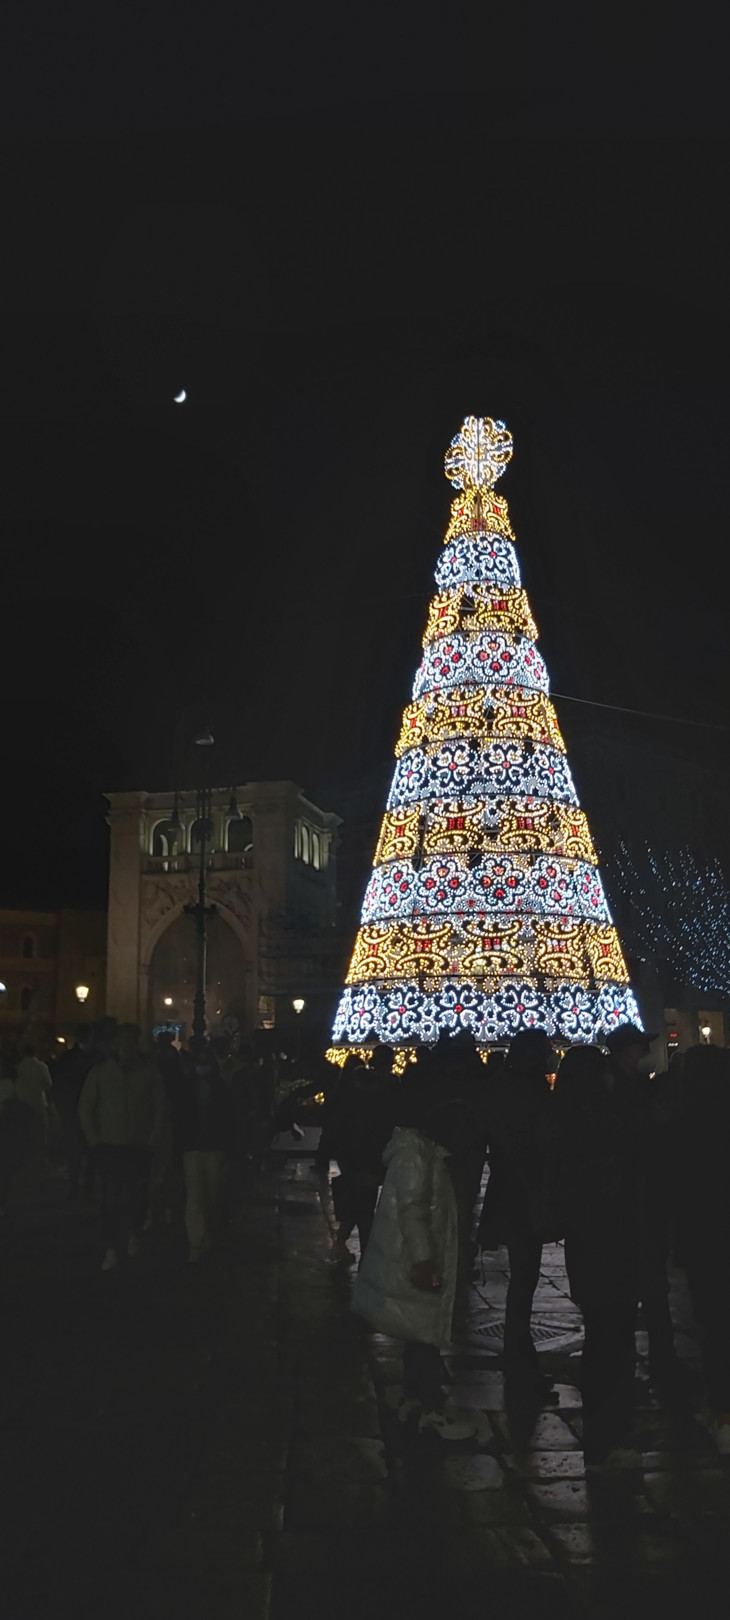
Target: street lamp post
x=199, y=909
x=299, y=1004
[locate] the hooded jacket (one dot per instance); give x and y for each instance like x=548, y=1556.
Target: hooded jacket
x=416, y=1219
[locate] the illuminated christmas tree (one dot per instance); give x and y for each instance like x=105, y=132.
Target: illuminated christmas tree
x=485, y=909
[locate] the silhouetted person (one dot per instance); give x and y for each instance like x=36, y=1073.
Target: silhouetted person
x=204, y=1126
x=358, y=1136
x=651, y=1105
x=419, y=1090
x=518, y=1119
x=595, y=1174
x=16, y=1120
x=166, y=1169
x=490, y=1230
x=406, y=1284
x=69, y=1074
x=33, y=1086
x=455, y=1071
x=335, y=1093
x=704, y=1217
x=122, y=1109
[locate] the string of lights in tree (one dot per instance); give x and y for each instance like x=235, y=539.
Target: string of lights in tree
x=680, y=913
x=485, y=909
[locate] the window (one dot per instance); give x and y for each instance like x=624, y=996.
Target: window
x=164, y=838
x=239, y=836
x=310, y=846
x=29, y=948
x=26, y=998
x=196, y=835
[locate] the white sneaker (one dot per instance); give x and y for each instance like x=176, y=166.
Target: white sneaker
x=111, y=1259
x=722, y=1435
x=446, y=1427
x=133, y=1245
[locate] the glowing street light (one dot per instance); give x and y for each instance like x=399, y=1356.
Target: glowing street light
x=168, y=1001
x=298, y=1005
x=706, y=1033
x=82, y=991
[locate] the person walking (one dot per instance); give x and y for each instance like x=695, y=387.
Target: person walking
x=491, y=1234
x=166, y=1182
x=458, y=1066
x=406, y=1284
x=33, y=1086
x=122, y=1109
x=703, y=1218
x=204, y=1126
x=16, y=1121
x=651, y=1103
x=358, y=1136
x=518, y=1111
x=69, y=1074
x=595, y=1176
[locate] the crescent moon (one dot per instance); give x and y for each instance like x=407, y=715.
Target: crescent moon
x=178, y=398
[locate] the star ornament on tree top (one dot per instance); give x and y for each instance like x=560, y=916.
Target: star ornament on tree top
x=478, y=455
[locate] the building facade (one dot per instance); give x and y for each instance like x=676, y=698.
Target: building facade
x=44, y=957
x=271, y=869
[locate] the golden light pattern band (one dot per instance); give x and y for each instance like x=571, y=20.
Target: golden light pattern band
x=485, y=909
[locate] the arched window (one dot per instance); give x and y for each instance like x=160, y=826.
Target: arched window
x=196, y=835
x=26, y=998
x=305, y=844
x=165, y=838
x=297, y=841
x=239, y=836
x=315, y=851
x=28, y=946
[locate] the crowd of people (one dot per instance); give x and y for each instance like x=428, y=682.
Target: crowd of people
x=169, y=1135
x=624, y=1165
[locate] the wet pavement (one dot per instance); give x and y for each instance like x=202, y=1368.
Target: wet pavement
x=220, y=1440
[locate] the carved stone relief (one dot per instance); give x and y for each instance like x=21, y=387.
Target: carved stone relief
x=161, y=896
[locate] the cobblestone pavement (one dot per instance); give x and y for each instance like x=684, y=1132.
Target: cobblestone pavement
x=219, y=1440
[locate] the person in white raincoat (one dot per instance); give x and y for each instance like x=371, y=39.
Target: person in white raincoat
x=406, y=1283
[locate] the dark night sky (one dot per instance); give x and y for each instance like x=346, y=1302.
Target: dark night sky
x=340, y=243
